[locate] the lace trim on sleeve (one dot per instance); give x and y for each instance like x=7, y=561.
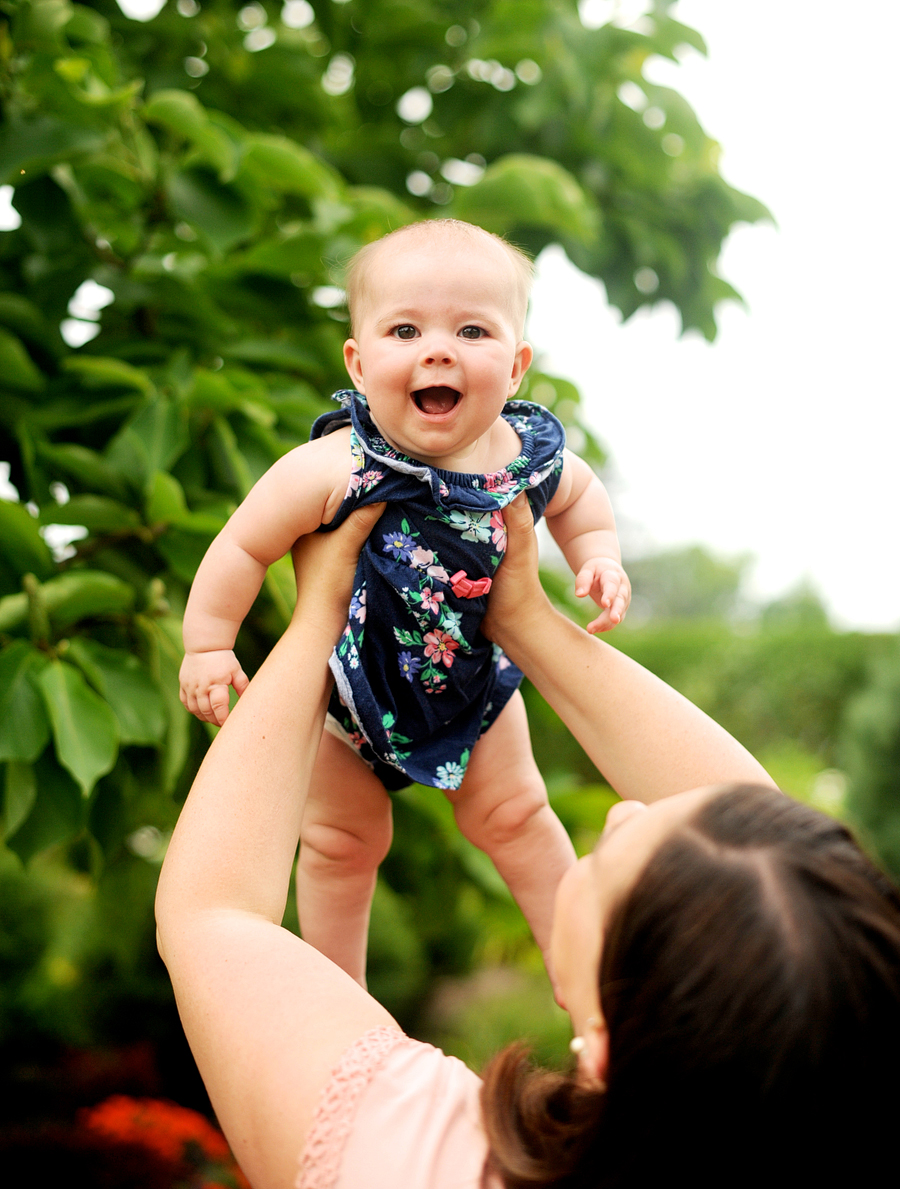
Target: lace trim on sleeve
x=333, y=1120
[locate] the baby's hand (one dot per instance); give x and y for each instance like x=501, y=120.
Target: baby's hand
x=205, y=678
x=607, y=583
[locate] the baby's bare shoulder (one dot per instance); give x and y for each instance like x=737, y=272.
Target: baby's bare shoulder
x=304, y=483
x=316, y=461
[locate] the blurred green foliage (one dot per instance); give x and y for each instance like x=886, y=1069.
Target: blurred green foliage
x=171, y=323
x=870, y=754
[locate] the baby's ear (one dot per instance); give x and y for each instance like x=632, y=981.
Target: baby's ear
x=524, y=356
x=352, y=364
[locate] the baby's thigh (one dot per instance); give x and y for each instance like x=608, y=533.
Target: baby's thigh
x=502, y=764
x=344, y=792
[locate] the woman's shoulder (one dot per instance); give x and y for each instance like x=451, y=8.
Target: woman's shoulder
x=396, y=1111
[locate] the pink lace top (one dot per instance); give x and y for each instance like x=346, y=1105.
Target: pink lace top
x=397, y=1114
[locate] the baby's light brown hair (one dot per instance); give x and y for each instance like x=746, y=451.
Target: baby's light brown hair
x=428, y=231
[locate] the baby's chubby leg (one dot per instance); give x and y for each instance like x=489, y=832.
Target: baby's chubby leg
x=344, y=836
x=502, y=807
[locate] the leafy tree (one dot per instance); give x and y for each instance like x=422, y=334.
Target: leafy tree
x=170, y=321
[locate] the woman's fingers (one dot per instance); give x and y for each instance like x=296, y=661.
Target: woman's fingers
x=324, y=563
x=516, y=581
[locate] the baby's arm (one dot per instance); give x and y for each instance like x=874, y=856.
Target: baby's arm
x=301, y=491
x=581, y=519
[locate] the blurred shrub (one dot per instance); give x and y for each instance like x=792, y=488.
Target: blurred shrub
x=870, y=753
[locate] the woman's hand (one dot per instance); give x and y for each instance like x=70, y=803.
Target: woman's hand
x=324, y=565
x=516, y=592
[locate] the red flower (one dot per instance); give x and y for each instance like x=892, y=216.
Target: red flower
x=441, y=646
x=178, y=1135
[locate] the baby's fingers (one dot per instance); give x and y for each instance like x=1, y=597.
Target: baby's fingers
x=209, y=705
x=602, y=623
x=584, y=581
x=218, y=705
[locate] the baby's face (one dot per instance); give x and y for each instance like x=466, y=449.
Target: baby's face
x=437, y=350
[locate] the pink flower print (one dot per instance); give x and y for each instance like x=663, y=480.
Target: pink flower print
x=440, y=646
x=430, y=600
x=371, y=479
x=421, y=558
x=498, y=531
x=500, y=482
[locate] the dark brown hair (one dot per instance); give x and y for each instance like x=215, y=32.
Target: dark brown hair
x=750, y=981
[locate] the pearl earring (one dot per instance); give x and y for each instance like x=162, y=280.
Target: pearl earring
x=578, y=1044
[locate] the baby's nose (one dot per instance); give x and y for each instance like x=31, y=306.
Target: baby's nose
x=438, y=349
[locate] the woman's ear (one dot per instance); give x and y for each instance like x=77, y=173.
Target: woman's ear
x=521, y=364
x=352, y=364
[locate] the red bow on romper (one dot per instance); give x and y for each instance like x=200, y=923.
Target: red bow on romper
x=464, y=588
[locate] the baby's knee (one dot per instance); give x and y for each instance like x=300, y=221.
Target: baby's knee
x=327, y=849
x=503, y=822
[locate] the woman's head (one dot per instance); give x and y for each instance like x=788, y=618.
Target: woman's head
x=749, y=984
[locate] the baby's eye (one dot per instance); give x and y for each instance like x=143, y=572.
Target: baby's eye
x=472, y=332
x=405, y=332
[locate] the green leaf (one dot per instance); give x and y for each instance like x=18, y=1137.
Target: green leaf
x=95, y=512
x=185, y=548
x=32, y=146
x=163, y=638
x=57, y=812
x=96, y=371
x=20, y=794
x=281, y=586
x=230, y=461
x=85, y=730
x=127, y=687
x=409, y=639
x=182, y=113
x=286, y=165
x=280, y=355
x=19, y=314
x=151, y=441
x=166, y=502
x=86, y=467
x=24, y=728
x=523, y=191
x=284, y=255
x=17, y=369
x=219, y=211
x=21, y=543
x=69, y=597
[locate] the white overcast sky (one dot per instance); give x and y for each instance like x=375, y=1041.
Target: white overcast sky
x=782, y=438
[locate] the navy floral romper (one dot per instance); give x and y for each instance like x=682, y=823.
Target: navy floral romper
x=416, y=683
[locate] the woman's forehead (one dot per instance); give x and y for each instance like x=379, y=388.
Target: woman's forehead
x=635, y=837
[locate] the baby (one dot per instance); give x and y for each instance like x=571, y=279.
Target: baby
x=438, y=311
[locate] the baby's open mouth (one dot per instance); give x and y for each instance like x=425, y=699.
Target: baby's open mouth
x=436, y=400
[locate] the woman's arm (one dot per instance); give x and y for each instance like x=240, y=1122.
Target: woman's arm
x=265, y=1014
x=646, y=739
